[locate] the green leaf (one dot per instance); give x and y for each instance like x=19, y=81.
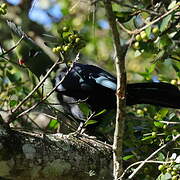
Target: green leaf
x=101, y=112
x=161, y=157
x=172, y=5
x=178, y=160
x=177, y=166
x=148, y=31
x=165, y=23
x=147, y=138
x=128, y=157
x=175, y=66
x=163, y=112
x=13, y=103
x=167, y=176
x=123, y=16
x=85, y=109
x=158, y=124
x=164, y=41
x=151, y=68
x=53, y=124
x=159, y=55
x=90, y=122
x=13, y=77
x=172, y=115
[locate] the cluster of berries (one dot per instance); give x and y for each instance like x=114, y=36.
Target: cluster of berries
x=143, y=37
x=69, y=39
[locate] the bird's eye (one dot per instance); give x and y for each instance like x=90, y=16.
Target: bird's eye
x=33, y=53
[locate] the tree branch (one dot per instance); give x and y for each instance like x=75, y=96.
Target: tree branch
x=136, y=31
x=120, y=94
x=28, y=155
x=153, y=154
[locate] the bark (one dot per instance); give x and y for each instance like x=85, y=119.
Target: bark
x=27, y=155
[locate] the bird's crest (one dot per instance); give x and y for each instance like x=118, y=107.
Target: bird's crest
x=17, y=30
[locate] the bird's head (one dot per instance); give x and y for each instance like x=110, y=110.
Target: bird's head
x=28, y=52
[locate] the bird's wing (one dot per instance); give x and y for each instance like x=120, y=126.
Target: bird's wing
x=106, y=81
x=86, y=78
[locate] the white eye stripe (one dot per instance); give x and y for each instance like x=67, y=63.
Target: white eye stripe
x=33, y=53
x=36, y=53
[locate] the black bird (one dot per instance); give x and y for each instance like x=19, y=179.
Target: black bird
x=91, y=82
x=99, y=87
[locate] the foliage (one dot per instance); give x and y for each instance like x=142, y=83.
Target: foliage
x=153, y=55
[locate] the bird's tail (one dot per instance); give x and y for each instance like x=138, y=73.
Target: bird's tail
x=161, y=94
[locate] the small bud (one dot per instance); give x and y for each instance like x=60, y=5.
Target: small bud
x=143, y=35
x=65, y=29
x=136, y=45
x=138, y=37
x=4, y=6
x=155, y=30
x=77, y=40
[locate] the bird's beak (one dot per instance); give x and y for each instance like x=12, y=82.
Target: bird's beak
x=21, y=61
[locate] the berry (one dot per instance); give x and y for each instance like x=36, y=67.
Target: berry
x=77, y=40
x=174, y=178
x=174, y=81
x=65, y=29
x=71, y=37
x=138, y=37
x=58, y=48
x=164, y=126
x=140, y=111
x=154, y=134
x=161, y=167
x=75, y=35
x=136, y=45
x=173, y=173
x=169, y=169
x=65, y=48
x=54, y=50
x=143, y=35
x=155, y=30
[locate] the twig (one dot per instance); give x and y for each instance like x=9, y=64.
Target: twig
x=37, y=86
x=73, y=102
x=133, y=7
x=78, y=101
x=153, y=154
x=139, y=162
x=167, y=122
x=49, y=116
x=8, y=51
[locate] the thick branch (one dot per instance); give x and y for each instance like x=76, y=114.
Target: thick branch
x=37, y=156
x=121, y=86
